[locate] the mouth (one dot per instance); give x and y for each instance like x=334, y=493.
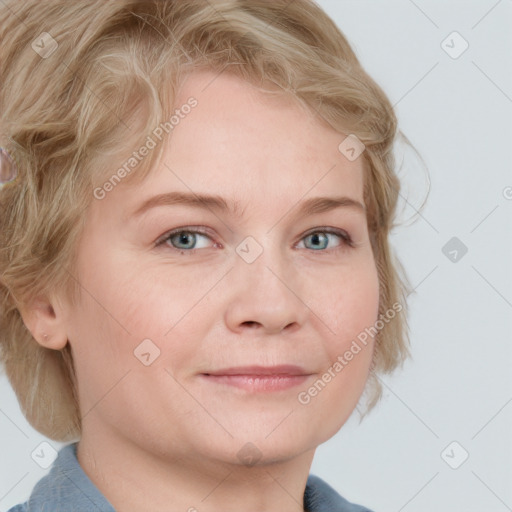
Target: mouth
x=259, y=378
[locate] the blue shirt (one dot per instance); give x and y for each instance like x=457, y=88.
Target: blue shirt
x=66, y=488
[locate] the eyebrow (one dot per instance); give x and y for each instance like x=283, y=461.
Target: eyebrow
x=310, y=206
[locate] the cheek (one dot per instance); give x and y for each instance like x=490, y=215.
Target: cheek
x=350, y=310
x=349, y=304
x=131, y=312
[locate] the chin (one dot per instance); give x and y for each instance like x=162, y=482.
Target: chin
x=269, y=447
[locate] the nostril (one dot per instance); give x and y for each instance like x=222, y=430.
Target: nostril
x=250, y=323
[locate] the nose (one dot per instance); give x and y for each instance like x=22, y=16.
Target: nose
x=265, y=295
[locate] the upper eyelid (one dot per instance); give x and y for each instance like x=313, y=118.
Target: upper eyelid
x=186, y=229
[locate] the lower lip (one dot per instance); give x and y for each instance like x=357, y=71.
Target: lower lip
x=259, y=383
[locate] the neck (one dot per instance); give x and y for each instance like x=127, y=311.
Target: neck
x=134, y=479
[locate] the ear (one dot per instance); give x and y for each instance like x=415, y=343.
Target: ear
x=44, y=318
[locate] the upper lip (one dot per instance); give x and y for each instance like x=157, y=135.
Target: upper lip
x=283, y=369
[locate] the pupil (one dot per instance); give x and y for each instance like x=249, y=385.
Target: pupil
x=183, y=238
x=316, y=239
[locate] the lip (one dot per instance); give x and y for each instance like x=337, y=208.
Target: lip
x=283, y=369
x=259, y=378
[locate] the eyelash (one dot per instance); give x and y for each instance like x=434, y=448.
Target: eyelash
x=346, y=239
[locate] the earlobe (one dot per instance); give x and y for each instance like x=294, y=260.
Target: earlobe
x=45, y=322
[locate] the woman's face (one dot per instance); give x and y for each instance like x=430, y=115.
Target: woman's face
x=167, y=323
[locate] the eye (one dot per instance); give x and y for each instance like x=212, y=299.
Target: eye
x=191, y=238
x=185, y=239
x=319, y=239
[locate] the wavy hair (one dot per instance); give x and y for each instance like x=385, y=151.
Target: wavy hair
x=103, y=78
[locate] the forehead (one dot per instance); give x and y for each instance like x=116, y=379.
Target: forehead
x=231, y=110
x=247, y=146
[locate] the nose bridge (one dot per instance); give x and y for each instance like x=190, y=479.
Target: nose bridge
x=261, y=262
x=265, y=287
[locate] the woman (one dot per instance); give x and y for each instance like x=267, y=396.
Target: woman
x=197, y=284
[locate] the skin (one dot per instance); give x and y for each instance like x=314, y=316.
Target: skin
x=161, y=437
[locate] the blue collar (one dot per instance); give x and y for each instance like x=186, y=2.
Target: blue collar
x=66, y=487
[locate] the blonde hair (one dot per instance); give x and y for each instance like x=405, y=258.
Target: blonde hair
x=67, y=115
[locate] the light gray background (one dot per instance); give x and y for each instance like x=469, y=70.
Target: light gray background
x=458, y=386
